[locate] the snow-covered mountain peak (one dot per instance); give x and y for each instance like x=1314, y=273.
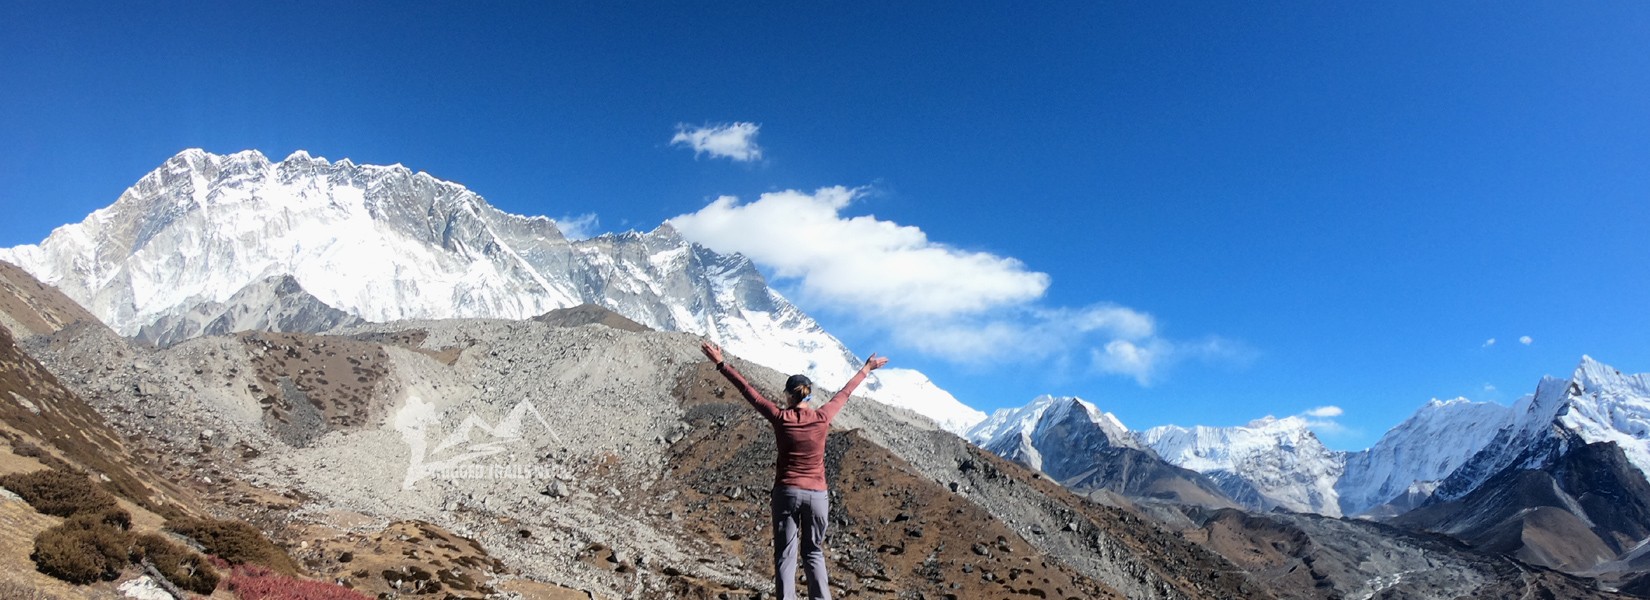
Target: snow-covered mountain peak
x=1268, y=462
x=1058, y=435
x=1044, y=410
x=1415, y=455
x=1596, y=404
x=385, y=243
x=1604, y=405
x=1594, y=375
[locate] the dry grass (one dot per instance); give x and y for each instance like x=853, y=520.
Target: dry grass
x=12, y=590
x=35, y=307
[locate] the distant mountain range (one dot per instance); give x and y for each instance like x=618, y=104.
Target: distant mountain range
x=1470, y=469
x=210, y=244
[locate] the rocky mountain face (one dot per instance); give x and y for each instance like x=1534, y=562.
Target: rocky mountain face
x=1410, y=461
x=274, y=304
x=1087, y=450
x=1268, y=463
x=1597, y=404
x=209, y=244
x=1579, y=512
x=1561, y=485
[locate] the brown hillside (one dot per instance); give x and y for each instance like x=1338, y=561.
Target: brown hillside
x=29, y=307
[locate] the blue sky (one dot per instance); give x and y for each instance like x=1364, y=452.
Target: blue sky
x=1274, y=208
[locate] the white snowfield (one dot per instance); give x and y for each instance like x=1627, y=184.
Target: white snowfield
x=384, y=243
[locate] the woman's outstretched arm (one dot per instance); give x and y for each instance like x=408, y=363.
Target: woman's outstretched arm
x=871, y=364
x=762, y=405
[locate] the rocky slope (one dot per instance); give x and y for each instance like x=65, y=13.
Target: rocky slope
x=603, y=460
x=1586, y=508
x=1309, y=556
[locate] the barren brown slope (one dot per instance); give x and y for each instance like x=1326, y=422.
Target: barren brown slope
x=1585, y=510
x=585, y=314
x=29, y=307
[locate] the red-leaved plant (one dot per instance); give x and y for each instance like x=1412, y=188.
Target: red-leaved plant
x=252, y=582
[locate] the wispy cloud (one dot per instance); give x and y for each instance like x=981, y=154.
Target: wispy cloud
x=735, y=141
x=961, y=305
x=1526, y=340
x=1488, y=343
x=1321, y=420
x=579, y=227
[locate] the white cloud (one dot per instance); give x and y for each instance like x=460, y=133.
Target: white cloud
x=1138, y=360
x=1526, y=340
x=579, y=227
x=961, y=305
x=1488, y=343
x=860, y=263
x=1321, y=420
x=1324, y=412
x=736, y=141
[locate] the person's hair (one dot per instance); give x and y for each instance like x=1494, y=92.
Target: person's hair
x=793, y=385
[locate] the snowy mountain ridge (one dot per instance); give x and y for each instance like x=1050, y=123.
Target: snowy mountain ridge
x=1444, y=450
x=1596, y=404
x=1415, y=456
x=383, y=243
x=1050, y=424
x=1269, y=462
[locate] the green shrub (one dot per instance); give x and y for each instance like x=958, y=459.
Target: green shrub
x=26, y=449
x=84, y=549
x=179, y=565
x=59, y=493
x=234, y=541
x=90, y=547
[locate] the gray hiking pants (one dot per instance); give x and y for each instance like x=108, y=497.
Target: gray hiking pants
x=800, y=514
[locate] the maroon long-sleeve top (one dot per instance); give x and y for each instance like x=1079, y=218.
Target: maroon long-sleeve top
x=799, y=432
